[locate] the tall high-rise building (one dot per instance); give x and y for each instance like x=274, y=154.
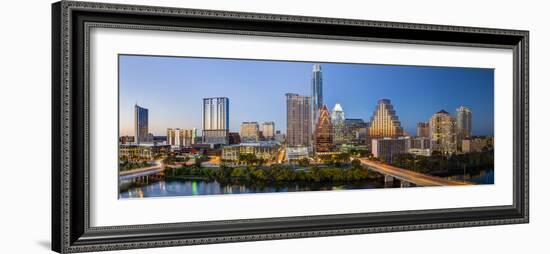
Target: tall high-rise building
x=250, y=132
x=464, y=122
x=423, y=129
x=317, y=88
x=323, y=132
x=215, y=120
x=316, y=93
x=384, y=121
x=338, y=122
x=298, y=120
x=268, y=130
x=443, y=133
x=180, y=137
x=141, y=124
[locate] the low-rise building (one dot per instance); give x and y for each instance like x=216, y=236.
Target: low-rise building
x=266, y=150
x=234, y=138
x=280, y=137
x=419, y=143
x=351, y=148
x=142, y=151
x=476, y=144
x=208, y=149
x=126, y=140
x=177, y=137
x=421, y=152
x=296, y=153
x=386, y=149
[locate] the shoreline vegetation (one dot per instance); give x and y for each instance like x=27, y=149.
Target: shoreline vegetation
x=443, y=166
x=336, y=169
x=270, y=174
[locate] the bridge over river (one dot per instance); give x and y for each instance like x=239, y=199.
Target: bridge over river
x=408, y=177
x=141, y=173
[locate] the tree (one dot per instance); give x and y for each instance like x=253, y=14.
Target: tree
x=224, y=173
x=259, y=175
x=248, y=158
x=238, y=173
x=304, y=162
x=197, y=162
x=342, y=157
x=356, y=164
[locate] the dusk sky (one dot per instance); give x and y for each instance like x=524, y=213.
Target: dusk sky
x=172, y=89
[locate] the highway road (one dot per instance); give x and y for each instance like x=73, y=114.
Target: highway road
x=406, y=175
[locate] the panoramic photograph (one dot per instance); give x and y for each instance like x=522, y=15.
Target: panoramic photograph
x=211, y=126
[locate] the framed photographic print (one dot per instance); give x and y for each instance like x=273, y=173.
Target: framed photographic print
x=182, y=126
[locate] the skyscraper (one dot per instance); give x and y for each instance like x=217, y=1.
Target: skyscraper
x=141, y=124
x=298, y=120
x=250, y=132
x=316, y=93
x=317, y=88
x=215, y=120
x=443, y=133
x=338, y=122
x=323, y=132
x=464, y=122
x=268, y=129
x=423, y=129
x=384, y=121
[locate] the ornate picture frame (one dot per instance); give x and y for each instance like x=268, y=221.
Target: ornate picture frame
x=71, y=229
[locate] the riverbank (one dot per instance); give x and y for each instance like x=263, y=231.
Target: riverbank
x=190, y=186
x=168, y=188
x=272, y=174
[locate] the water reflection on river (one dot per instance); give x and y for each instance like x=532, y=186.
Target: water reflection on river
x=197, y=187
x=486, y=176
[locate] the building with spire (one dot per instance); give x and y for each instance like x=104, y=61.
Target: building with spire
x=324, y=139
x=317, y=88
x=443, y=132
x=316, y=93
x=338, y=123
x=384, y=121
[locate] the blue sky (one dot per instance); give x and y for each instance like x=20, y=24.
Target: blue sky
x=172, y=89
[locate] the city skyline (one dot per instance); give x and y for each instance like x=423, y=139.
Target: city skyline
x=172, y=88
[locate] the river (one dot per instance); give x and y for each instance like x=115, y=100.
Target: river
x=169, y=188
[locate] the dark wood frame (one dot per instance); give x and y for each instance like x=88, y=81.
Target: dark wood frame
x=71, y=22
